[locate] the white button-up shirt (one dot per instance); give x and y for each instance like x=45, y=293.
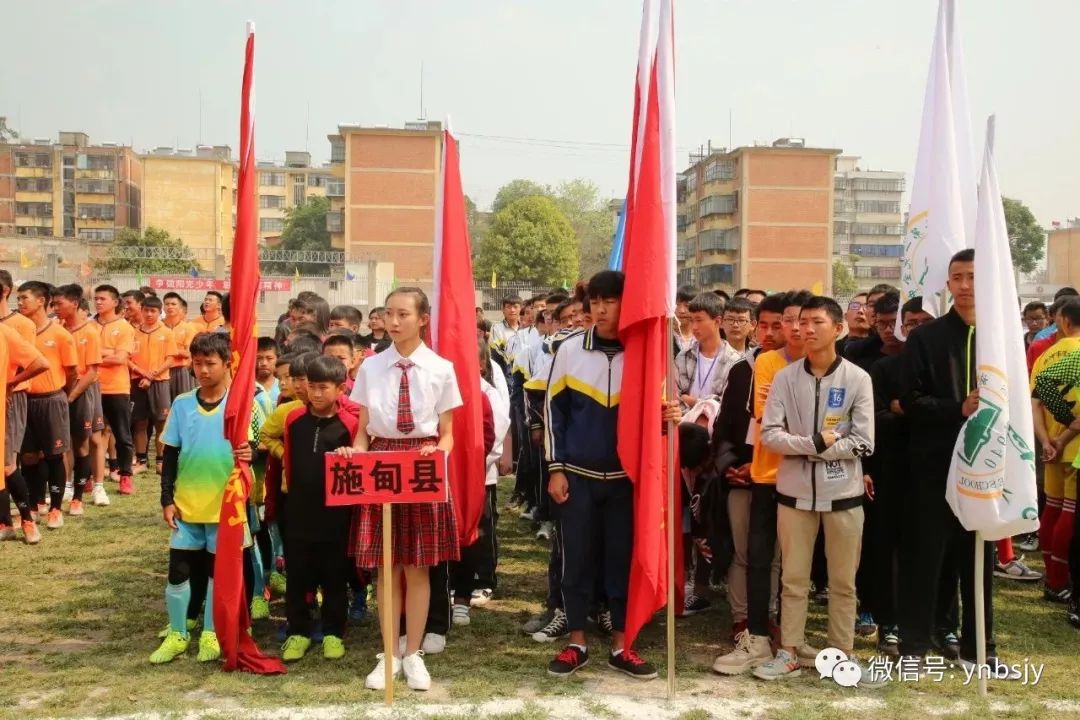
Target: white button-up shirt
x=433, y=390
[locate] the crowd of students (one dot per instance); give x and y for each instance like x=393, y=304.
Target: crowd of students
x=814, y=450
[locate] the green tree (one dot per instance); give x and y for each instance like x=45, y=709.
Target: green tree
x=843, y=282
x=593, y=223
x=517, y=189
x=177, y=257
x=1027, y=240
x=478, y=223
x=529, y=239
x=305, y=229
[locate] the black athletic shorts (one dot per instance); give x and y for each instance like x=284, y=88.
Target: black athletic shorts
x=151, y=403
x=48, y=424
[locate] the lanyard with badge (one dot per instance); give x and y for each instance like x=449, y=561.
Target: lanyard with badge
x=701, y=381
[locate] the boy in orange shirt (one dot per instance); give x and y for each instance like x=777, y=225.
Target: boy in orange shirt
x=181, y=380
x=85, y=397
x=117, y=343
x=150, y=362
x=48, y=422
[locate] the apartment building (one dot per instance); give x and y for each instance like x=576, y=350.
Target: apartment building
x=868, y=231
x=283, y=187
x=192, y=195
x=69, y=188
x=757, y=217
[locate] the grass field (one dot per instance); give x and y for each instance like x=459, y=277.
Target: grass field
x=81, y=612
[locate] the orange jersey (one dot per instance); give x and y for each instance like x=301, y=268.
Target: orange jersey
x=25, y=328
x=153, y=349
x=116, y=336
x=87, y=346
x=15, y=352
x=58, y=347
x=182, y=332
x=201, y=325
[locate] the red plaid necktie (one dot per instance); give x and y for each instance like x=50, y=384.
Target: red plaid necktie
x=405, y=424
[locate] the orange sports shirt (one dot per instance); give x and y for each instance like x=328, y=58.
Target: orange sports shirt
x=152, y=348
x=58, y=347
x=116, y=336
x=183, y=332
x=201, y=325
x=15, y=353
x=27, y=330
x=87, y=346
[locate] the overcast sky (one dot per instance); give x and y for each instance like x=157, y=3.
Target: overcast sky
x=552, y=77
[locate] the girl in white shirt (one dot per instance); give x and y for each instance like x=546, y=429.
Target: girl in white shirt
x=407, y=395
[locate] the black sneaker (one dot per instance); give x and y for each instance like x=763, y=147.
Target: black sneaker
x=695, y=604
x=889, y=642
x=568, y=662
x=604, y=623
x=1057, y=596
x=630, y=663
x=948, y=645
x=1072, y=614
x=516, y=501
x=554, y=630
x=821, y=597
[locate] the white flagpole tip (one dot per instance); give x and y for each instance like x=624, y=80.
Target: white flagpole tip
x=250, y=27
x=447, y=126
x=991, y=125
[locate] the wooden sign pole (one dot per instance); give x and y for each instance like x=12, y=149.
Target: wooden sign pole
x=390, y=619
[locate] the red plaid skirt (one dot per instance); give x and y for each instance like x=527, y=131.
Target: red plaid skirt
x=424, y=534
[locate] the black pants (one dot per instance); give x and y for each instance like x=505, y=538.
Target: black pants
x=317, y=564
x=596, y=527
x=117, y=412
x=554, y=596
x=476, y=569
x=935, y=540
x=760, y=551
x=1074, y=557
x=876, y=581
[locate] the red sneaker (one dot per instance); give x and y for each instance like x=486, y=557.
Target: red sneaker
x=31, y=534
x=126, y=486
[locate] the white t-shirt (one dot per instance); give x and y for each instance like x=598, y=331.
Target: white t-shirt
x=433, y=390
x=702, y=383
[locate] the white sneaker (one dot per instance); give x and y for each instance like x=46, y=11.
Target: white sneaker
x=461, y=615
x=100, y=497
x=481, y=597
x=69, y=491
x=432, y=645
x=376, y=679
x=416, y=674
x=546, y=528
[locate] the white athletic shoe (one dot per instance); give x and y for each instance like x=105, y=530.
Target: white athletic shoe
x=432, y=645
x=461, y=614
x=376, y=679
x=416, y=674
x=69, y=491
x=100, y=497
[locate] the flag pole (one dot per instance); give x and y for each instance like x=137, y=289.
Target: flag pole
x=672, y=536
x=390, y=620
x=980, y=546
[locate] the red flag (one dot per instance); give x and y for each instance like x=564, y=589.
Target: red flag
x=230, y=610
x=453, y=333
x=649, y=264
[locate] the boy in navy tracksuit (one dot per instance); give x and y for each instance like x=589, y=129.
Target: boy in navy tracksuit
x=593, y=495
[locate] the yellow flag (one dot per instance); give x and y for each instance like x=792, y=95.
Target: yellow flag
x=296, y=272
x=493, y=278
x=24, y=260
x=817, y=288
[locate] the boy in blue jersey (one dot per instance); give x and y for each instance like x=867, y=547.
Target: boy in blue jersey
x=592, y=493
x=197, y=464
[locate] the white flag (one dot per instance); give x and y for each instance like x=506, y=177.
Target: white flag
x=941, y=217
x=991, y=485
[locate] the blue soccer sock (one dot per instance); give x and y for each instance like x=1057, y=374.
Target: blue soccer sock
x=177, y=598
x=208, y=612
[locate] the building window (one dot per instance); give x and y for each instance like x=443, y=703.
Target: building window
x=691, y=182
x=878, y=184
x=335, y=187
x=840, y=227
x=271, y=224
x=33, y=209
x=271, y=201
x=317, y=180
x=30, y=159
x=875, y=229
x=89, y=185
x=96, y=211
x=714, y=274
x=335, y=222
x=718, y=205
x=95, y=162
x=337, y=150
x=272, y=179
x=686, y=276
x=891, y=272
x=840, y=183
x=97, y=236
x=878, y=206
x=33, y=231
x=877, y=250
x=719, y=170
x=33, y=184
x=299, y=190
x=719, y=240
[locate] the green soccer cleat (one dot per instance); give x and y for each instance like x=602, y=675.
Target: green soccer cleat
x=209, y=648
x=260, y=609
x=295, y=648
x=332, y=648
x=191, y=625
x=173, y=646
x=277, y=582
